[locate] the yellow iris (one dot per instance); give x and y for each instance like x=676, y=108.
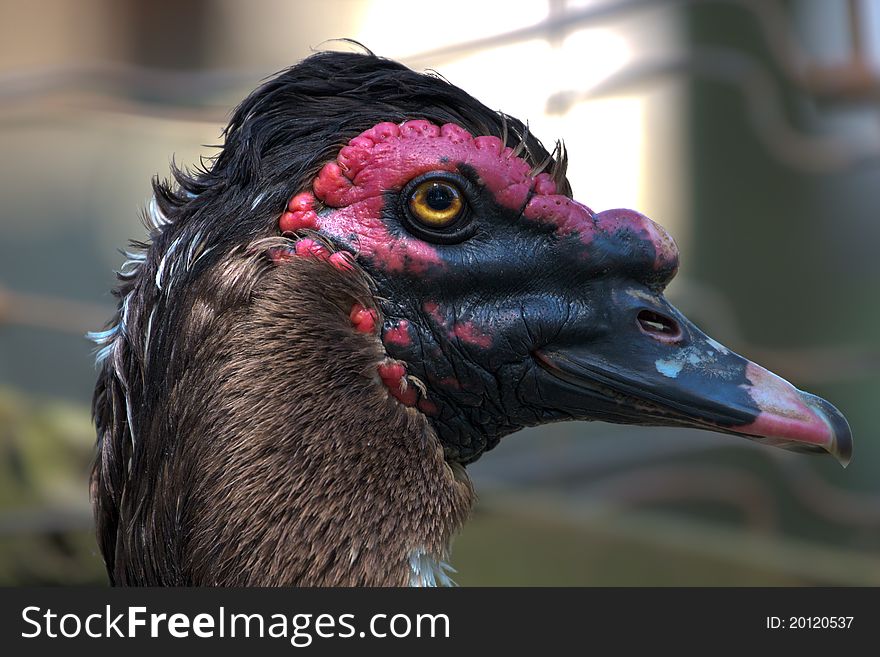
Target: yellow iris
x=436, y=203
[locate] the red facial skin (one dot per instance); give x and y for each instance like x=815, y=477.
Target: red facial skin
x=300, y=214
x=469, y=333
x=309, y=248
x=398, y=334
x=466, y=332
x=342, y=260
x=363, y=319
x=387, y=156
x=393, y=375
x=665, y=249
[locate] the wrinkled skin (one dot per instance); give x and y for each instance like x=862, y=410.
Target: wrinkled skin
x=533, y=308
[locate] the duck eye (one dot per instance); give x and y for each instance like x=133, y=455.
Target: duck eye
x=436, y=207
x=436, y=203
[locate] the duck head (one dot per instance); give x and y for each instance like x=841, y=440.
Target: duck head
x=505, y=303
x=375, y=280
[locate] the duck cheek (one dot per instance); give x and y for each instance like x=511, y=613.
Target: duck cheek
x=431, y=343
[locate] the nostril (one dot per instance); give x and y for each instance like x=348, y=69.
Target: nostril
x=660, y=327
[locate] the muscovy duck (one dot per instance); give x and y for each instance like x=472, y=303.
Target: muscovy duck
x=374, y=281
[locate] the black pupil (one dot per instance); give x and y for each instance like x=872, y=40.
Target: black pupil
x=439, y=197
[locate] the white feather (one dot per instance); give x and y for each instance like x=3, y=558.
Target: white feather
x=426, y=571
x=156, y=216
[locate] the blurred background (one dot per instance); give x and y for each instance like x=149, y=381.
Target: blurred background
x=749, y=128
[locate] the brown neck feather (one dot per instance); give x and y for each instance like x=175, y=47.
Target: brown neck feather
x=283, y=460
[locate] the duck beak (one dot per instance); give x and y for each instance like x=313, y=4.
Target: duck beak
x=660, y=369
x=793, y=418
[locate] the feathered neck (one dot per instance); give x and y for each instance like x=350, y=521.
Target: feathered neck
x=247, y=439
